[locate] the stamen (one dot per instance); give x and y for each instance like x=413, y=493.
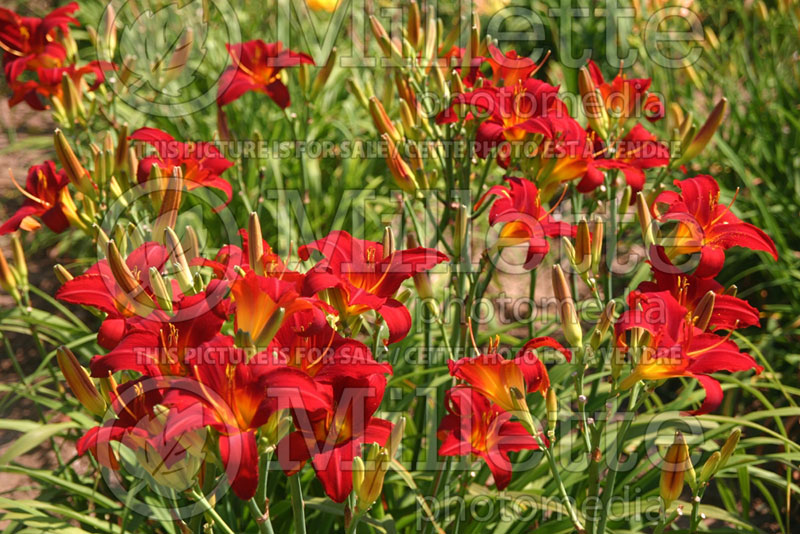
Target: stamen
x=26, y=193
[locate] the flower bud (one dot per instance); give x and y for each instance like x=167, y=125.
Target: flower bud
x=705, y=132
x=355, y=89
x=625, y=201
x=704, y=310
x=190, y=243
x=382, y=121
x=461, y=230
x=62, y=274
x=386, y=44
x=324, y=73
x=79, y=382
x=396, y=437
x=552, y=412
x=109, y=31
x=170, y=205
x=135, y=236
x=422, y=281
x=72, y=167
x=729, y=447
x=645, y=220
x=160, y=290
x=583, y=247
x=388, y=242
x=255, y=244
x=593, y=105
x=20, y=263
x=605, y=322
x=732, y=290
x=401, y=171
x=566, y=309
x=569, y=249
x=597, y=243
x=673, y=470
x=414, y=29
x=125, y=279
x=710, y=467
x=179, y=58
x=407, y=120
x=375, y=467
x=71, y=99
x=270, y=328
x=430, y=45
x=175, y=249
x=7, y=279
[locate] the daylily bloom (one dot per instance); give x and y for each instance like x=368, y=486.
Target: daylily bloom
x=235, y=398
x=637, y=151
x=473, y=425
x=160, y=344
x=675, y=347
x=201, y=163
x=98, y=288
x=626, y=98
x=332, y=437
x=323, y=5
x=264, y=303
x=494, y=376
x=47, y=198
x=729, y=312
x=257, y=67
x=140, y=425
x=323, y=353
x=48, y=84
x=30, y=42
x=509, y=68
x=519, y=207
x=360, y=277
x=705, y=225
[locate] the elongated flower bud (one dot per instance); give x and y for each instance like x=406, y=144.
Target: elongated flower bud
x=388, y=242
x=125, y=279
x=384, y=41
x=704, y=310
x=569, y=249
x=705, y=132
x=160, y=290
x=71, y=99
x=79, y=382
x=645, y=220
x=170, y=205
x=183, y=274
x=566, y=309
x=7, y=279
x=396, y=437
x=625, y=201
x=179, y=58
x=401, y=171
x=62, y=274
x=710, y=467
x=430, y=45
x=135, y=235
x=593, y=104
x=597, y=243
x=414, y=29
x=382, y=121
x=375, y=467
x=461, y=231
x=583, y=247
x=355, y=89
x=72, y=167
x=422, y=281
x=552, y=413
x=324, y=73
x=605, y=322
x=270, y=328
x=20, y=263
x=673, y=470
x=255, y=244
x=729, y=447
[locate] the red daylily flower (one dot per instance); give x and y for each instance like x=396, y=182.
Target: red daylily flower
x=331, y=438
x=323, y=353
x=637, y=151
x=675, y=347
x=509, y=68
x=364, y=279
x=526, y=221
x=706, y=226
x=473, y=425
x=202, y=163
x=30, y=42
x=236, y=398
x=140, y=426
x=626, y=98
x=46, y=197
x=160, y=344
x=729, y=312
x=257, y=67
x=263, y=304
x=98, y=288
x=230, y=258
x=48, y=85
x=494, y=376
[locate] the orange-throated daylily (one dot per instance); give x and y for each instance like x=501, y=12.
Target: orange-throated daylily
x=706, y=226
x=47, y=198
